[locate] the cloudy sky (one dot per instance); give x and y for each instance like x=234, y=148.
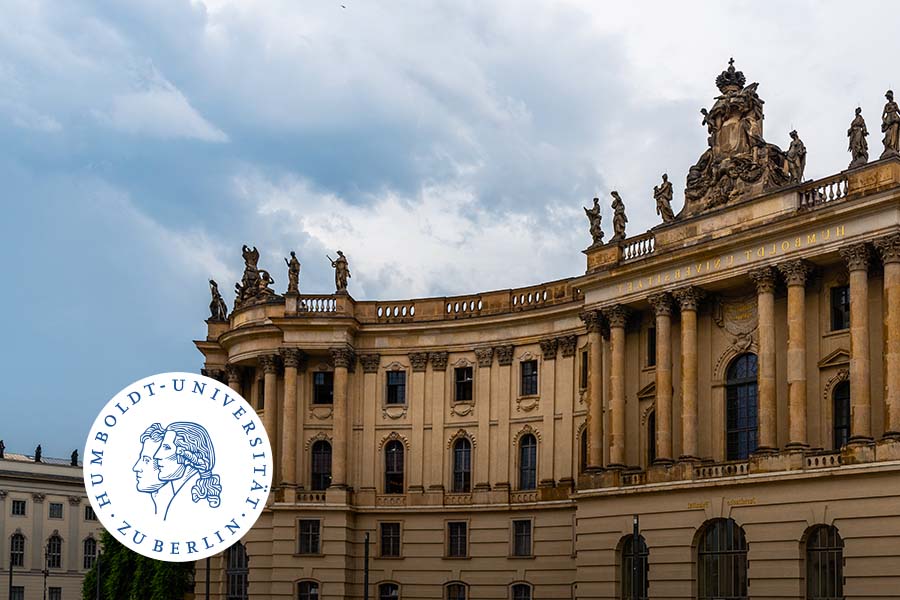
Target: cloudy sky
x=444, y=147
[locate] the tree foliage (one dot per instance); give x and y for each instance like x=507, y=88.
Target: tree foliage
x=126, y=575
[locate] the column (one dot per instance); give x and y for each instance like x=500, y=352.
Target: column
x=857, y=258
x=547, y=383
x=293, y=360
x=765, y=279
x=233, y=375
x=592, y=321
x=688, y=299
x=795, y=273
x=485, y=357
x=342, y=358
x=505, y=385
x=662, y=306
x=566, y=378
x=617, y=317
x=889, y=249
x=269, y=363
x=416, y=407
x=38, y=540
x=438, y=406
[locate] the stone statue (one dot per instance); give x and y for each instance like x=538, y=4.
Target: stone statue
x=663, y=195
x=796, y=158
x=890, y=125
x=37, y=453
x=293, y=266
x=619, y=218
x=858, y=147
x=341, y=272
x=265, y=280
x=217, y=309
x=2, y=449
x=74, y=459
x=738, y=161
x=593, y=215
x=249, y=284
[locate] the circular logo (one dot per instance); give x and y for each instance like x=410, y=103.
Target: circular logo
x=177, y=467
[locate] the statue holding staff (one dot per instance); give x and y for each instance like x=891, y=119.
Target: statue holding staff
x=663, y=195
x=593, y=215
x=858, y=147
x=293, y=266
x=341, y=272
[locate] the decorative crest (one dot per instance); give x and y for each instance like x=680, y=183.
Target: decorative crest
x=730, y=79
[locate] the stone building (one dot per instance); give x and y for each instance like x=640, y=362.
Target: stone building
x=731, y=378
x=46, y=524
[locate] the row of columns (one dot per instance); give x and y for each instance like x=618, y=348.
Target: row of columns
x=795, y=273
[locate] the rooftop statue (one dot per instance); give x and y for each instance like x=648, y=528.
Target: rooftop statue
x=796, y=158
x=293, y=266
x=619, y=218
x=858, y=147
x=265, y=280
x=217, y=309
x=341, y=272
x=739, y=161
x=593, y=215
x=890, y=125
x=663, y=195
x=249, y=284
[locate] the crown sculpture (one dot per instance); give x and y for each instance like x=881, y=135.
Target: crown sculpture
x=738, y=162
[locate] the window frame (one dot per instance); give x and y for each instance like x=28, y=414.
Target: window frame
x=380, y=595
x=529, y=383
x=734, y=554
x=395, y=392
x=584, y=380
x=311, y=582
x=327, y=382
x=18, y=502
x=465, y=485
x=17, y=552
x=650, y=358
x=838, y=308
x=54, y=593
x=315, y=477
x=515, y=586
x=842, y=431
x=237, y=572
x=308, y=535
x=89, y=514
x=18, y=592
x=449, y=543
x=390, y=486
x=381, y=536
x=460, y=584
x=813, y=586
x=521, y=486
x=514, y=538
x=626, y=560
x=467, y=382
x=733, y=388
x=54, y=551
x=88, y=559
x=50, y=507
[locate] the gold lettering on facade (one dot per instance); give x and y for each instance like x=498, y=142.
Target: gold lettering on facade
x=785, y=246
x=698, y=505
x=810, y=239
x=741, y=501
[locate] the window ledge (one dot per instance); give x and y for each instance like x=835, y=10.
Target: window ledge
x=836, y=333
x=308, y=555
x=516, y=557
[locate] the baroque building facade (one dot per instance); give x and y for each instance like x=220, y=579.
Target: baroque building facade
x=712, y=410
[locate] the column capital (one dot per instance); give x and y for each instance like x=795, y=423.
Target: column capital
x=567, y=345
x=795, y=272
x=269, y=363
x=37, y=497
x=616, y=315
x=504, y=355
x=439, y=360
x=370, y=362
x=661, y=303
x=293, y=358
x=419, y=361
x=856, y=256
x=549, y=347
x=233, y=373
x=343, y=357
x=485, y=356
x=689, y=297
x=592, y=319
x=217, y=374
x=889, y=248
x=74, y=500
x=765, y=278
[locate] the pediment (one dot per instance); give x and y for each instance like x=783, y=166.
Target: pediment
x=648, y=391
x=838, y=358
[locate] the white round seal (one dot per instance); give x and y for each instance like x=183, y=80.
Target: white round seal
x=177, y=466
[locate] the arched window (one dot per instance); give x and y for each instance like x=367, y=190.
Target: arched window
x=456, y=591
x=528, y=462
x=90, y=552
x=54, y=552
x=824, y=564
x=17, y=550
x=462, y=465
x=393, y=467
x=840, y=398
x=583, y=452
x=722, y=561
x=651, y=437
x=321, y=465
x=237, y=568
x=307, y=590
x=630, y=575
x=388, y=591
x=520, y=591
x=740, y=407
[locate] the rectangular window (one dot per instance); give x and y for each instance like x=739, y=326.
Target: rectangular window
x=17, y=592
x=457, y=546
x=522, y=537
x=323, y=387
x=462, y=376
x=89, y=514
x=396, y=387
x=309, y=536
x=390, y=540
x=54, y=593
x=840, y=308
x=529, y=377
x=651, y=346
x=260, y=394
x=18, y=508
x=584, y=369
x=56, y=510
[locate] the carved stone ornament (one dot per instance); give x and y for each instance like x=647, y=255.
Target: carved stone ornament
x=857, y=145
x=889, y=248
x=592, y=319
x=370, y=362
x=841, y=375
x=3, y=494
x=255, y=283
x=526, y=430
x=419, y=361
x=269, y=363
x=462, y=409
x=438, y=360
x=461, y=433
x=342, y=357
x=217, y=374
x=619, y=218
x=527, y=403
x=218, y=311
x=616, y=315
x=594, y=218
x=567, y=345
x=856, y=256
x=391, y=437
x=549, y=348
x=890, y=125
x=504, y=355
x=484, y=356
x=293, y=358
x=765, y=279
x=74, y=500
x=38, y=497
x=795, y=272
x=393, y=411
x=232, y=373
x=689, y=297
x=319, y=437
x=736, y=315
x=662, y=193
x=321, y=412
x=661, y=303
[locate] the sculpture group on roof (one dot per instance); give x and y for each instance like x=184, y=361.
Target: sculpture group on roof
x=738, y=162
